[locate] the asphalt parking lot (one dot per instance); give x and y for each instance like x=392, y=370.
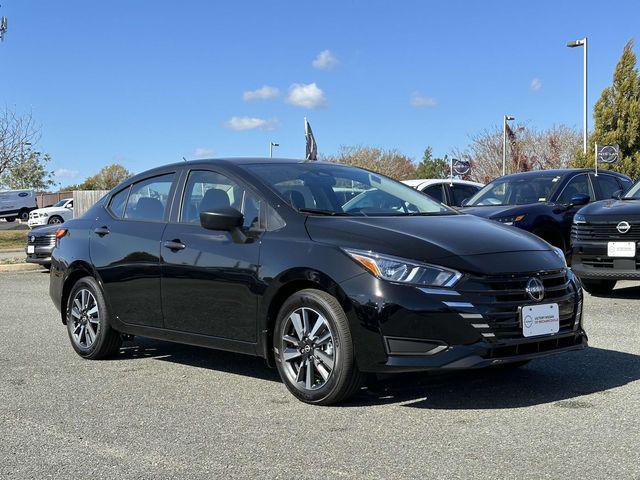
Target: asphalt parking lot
x=170, y=411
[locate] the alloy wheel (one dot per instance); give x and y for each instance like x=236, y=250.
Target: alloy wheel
x=308, y=349
x=55, y=221
x=85, y=316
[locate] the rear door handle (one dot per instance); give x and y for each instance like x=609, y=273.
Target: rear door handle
x=101, y=231
x=174, y=245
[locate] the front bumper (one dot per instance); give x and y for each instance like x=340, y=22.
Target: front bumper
x=398, y=328
x=590, y=261
x=37, y=222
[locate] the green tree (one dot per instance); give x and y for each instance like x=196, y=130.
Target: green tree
x=431, y=167
x=107, y=178
x=29, y=170
x=617, y=118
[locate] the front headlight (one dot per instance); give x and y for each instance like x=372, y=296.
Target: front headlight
x=560, y=254
x=510, y=220
x=579, y=219
x=402, y=270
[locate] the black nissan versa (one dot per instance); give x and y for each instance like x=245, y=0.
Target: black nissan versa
x=604, y=241
x=259, y=256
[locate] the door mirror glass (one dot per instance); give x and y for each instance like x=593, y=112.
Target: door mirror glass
x=579, y=199
x=225, y=219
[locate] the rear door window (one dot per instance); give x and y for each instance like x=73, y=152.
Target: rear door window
x=435, y=192
x=149, y=199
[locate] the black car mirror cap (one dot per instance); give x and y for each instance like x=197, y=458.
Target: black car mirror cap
x=579, y=199
x=226, y=219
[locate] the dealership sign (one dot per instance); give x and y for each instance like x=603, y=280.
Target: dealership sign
x=607, y=153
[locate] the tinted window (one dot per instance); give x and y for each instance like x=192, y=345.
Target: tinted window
x=516, y=190
x=118, y=202
x=435, y=192
x=149, y=198
x=343, y=190
x=461, y=193
x=206, y=191
x=577, y=185
x=608, y=185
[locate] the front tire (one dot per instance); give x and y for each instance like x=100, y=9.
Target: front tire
x=599, y=287
x=55, y=220
x=88, y=322
x=314, y=349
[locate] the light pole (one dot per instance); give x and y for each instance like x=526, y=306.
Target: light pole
x=271, y=145
x=504, y=142
x=583, y=43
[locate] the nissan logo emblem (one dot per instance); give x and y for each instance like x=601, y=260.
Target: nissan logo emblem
x=535, y=289
x=623, y=227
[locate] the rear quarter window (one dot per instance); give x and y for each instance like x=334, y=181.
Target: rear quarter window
x=118, y=202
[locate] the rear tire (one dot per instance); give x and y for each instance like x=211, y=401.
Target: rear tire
x=23, y=215
x=10, y=219
x=314, y=349
x=88, y=322
x=599, y=287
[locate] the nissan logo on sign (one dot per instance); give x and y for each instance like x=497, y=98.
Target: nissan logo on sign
x=535, y=289
x=623, y=227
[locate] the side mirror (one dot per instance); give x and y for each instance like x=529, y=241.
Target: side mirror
x=464, y=202
x=226, y=219
x=579, y=199
x=617, y=194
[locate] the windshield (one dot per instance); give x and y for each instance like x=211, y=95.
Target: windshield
x=343, y=190
x=634, y=192
x=60, y=203
x=516, y=191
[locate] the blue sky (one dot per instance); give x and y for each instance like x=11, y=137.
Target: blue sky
x=145, y=83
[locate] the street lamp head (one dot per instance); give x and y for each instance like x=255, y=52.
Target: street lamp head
x=576, y=43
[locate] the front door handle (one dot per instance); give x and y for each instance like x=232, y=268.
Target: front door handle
x=174, y=245
x=101, y=231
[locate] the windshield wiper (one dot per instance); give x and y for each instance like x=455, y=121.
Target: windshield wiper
x=319, y=211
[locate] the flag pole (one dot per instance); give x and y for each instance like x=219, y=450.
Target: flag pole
x=596, y=152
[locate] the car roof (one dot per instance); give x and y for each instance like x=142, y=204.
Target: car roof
x=559, y=172
x=433, y=181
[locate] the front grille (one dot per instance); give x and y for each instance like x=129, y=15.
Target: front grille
x=499, y=299
x=605, y=232
x=43, y=241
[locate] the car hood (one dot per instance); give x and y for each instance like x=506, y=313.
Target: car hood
x=51, y=210
x=498, y=211
x=458, y=241
x=43, y=231
x=625, y=209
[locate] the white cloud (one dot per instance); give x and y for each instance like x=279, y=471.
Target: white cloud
x=263, y=93
x=66, y=173
x=240, y=124
x=536, y=84
x=325, y=61
x=202, y=152
x=419, y=100
x=307, y=96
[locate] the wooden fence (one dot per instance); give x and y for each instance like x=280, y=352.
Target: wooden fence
x=47, y=199
x=85, y=199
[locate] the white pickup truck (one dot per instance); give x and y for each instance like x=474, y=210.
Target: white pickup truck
x=58, y=213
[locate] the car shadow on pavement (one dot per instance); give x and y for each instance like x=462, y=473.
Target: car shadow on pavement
x=197, y=357
x=631, y=293
x=557, y=379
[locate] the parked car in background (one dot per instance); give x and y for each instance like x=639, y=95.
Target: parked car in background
x=58, y=213
x=450, y=192
x=226, y=254
x=544, y=201
x=604, y=241
x=17, y=204
x=40, y=243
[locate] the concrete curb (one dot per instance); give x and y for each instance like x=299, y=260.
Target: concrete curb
x=11, y=250
x=19, y=267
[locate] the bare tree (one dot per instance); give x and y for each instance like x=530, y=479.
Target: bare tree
x=387, y=162
x=17, y=133
x=528, y=149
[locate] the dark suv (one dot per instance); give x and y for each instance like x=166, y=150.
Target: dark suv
x=544, y=201
x=269, y=258
x=604, y=242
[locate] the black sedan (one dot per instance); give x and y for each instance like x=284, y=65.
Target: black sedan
x=265, y=257
x=544, y=201
x=40, y=243
x=604, y=242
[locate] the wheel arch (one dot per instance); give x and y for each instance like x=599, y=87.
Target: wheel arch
x=75, y=272
x=283, y=287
